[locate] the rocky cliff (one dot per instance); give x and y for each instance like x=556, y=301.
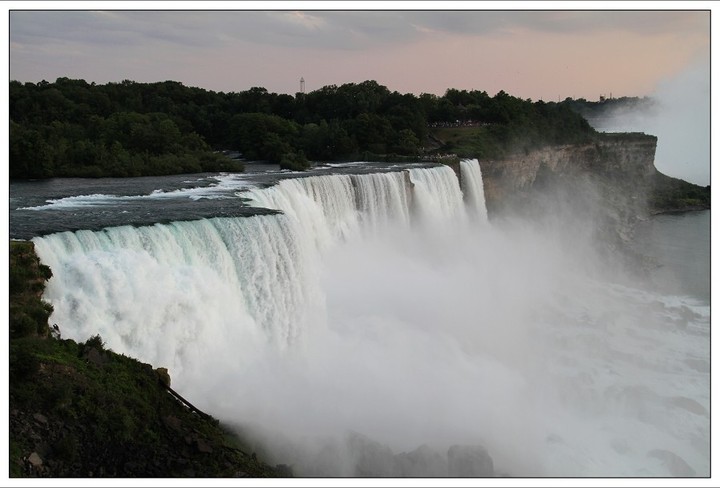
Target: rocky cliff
x=616, y=158
x=607, y=183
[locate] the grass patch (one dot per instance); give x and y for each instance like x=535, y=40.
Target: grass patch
x=469, y=142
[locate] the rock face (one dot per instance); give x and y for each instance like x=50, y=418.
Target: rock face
x=607, y=182
x=469, y=461
x=164, y=376
x=625, y=159
x=357, y=455
x=371, y=458
x=35, y=462
x=423, y=462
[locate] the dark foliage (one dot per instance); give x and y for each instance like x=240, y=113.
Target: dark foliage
x=75, y=128
x=28, y=312
x=673, y=194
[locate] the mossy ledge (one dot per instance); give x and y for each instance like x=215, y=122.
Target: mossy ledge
x=81, y=410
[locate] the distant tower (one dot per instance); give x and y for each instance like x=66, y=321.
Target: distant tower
x=302, y=85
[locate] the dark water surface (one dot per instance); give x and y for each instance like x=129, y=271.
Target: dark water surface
x=681, y=245
x=67, y=204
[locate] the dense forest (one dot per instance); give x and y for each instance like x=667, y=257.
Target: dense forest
x=74, y=128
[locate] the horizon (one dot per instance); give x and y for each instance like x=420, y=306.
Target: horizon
x=601, y=97
x=547, y=55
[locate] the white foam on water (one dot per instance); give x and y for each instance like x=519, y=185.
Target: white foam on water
x=225, y=186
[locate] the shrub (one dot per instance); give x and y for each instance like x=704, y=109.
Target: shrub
x=96, y=342
x=294, y=161
x=66, y=448
x=23, y=364
x=22, y=325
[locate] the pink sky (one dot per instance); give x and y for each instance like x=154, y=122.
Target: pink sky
x=538, y=55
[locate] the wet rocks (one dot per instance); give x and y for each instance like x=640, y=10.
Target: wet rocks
x=423, y=462
x=163, y=376
x=35, y=462
x=377, y=460
x=371, y=457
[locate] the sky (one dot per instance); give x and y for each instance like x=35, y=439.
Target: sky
x=537, y=55
x=549, y=55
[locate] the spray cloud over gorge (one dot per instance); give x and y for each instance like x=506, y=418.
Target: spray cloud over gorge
x=678, y=113
x=382, y=312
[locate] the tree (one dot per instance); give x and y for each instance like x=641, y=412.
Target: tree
x=71, y=127
x=406, y=143
x=30, y=155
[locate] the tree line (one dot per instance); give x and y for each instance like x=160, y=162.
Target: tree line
x=75, y=128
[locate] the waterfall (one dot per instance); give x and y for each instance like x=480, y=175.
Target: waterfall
x=439, y=200
x=154, y=291
x=472, y=187
x=157, y=291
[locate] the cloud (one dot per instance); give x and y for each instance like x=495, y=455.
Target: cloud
x=521, y=52
x=325, y=29
x=405, y=24
x=590, y=21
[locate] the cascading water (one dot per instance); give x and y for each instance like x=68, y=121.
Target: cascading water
x=438, y=197
x=264, y=268
x=473, y=190
x=376, y=304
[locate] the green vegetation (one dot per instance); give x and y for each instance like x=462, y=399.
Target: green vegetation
x=28, y=312
x=75, y=128
x=672, y=194
x=293, y=161
x=80, y=410
x=466, y=142
x=490, y=128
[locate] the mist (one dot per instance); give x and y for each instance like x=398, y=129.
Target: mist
x=347, y=341
x=503, y=336
x=426, y=342
x=679, y=117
